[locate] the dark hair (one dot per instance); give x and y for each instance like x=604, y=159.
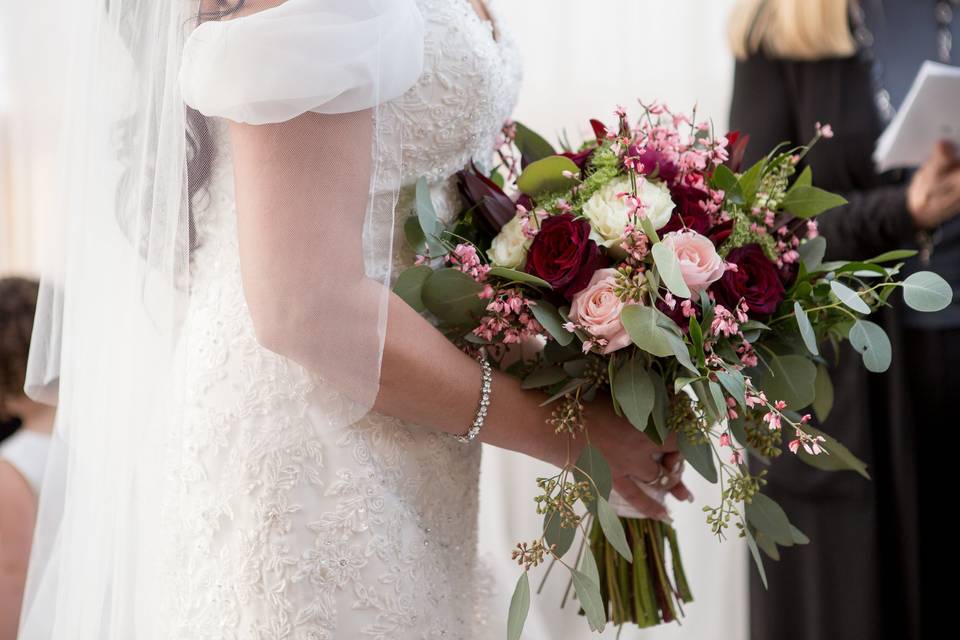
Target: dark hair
x=199, y=154
x=18, y=306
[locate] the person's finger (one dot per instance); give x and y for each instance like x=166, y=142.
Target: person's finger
x=642, y=502
x=645, y=469
x=672, y=462
x=670, y=444
x=682, y=492
x=942, y=157
x=948, y=151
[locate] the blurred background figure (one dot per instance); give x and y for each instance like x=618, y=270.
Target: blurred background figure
x=22, y=453
x=874, y=566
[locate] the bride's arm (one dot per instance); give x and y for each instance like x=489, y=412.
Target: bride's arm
x=302, y=187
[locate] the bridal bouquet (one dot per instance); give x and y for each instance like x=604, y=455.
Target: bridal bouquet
x=655, y=275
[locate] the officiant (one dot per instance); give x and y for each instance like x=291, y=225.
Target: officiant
x=876, y=559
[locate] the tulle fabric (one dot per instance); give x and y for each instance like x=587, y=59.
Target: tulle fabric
x=106, y=346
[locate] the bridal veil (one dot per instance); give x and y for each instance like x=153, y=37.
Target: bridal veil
x=143, y=77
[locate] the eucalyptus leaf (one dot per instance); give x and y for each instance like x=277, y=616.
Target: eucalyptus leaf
x=700, y=456
x=812, y=252
x=556, y=533
x=413, y=234
x=409, y=285
x=453, y=296
x=519, y=607
x=849, y=297
x=669, y=269
x=531, y=144
x=549, y=317
x=732, y=380
x=799, y=537
x=640, y=321
x=660, y=402
x=806, y=329
x=926, y=291
x=547, y=175
x=806, y=201
x=755, y=554
x=518, y=276
x=836, y=458
x=679, y=348
x=767, y=545
x=769, y=518
x=588, y=567
x=429, y=221
x=871, y=341
x=894, y=256
x=588, y=592
x=790, y=379
x=823, y=387
x=634, y=392
x=593, y=468
x=613, y=529
x=544, y=377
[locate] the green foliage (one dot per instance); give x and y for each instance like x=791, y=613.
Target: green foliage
x=634, y=391
x=519, y=607
x=453, y=297
x=546, y=176
x=532, y=145
x=409, y=285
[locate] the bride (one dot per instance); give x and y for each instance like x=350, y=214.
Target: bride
x=255, y=438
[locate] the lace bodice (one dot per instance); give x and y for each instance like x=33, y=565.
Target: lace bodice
x=285, y=530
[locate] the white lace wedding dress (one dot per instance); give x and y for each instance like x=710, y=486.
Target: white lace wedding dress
x=284, y=530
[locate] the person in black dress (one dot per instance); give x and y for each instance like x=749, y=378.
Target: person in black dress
x=880, y=549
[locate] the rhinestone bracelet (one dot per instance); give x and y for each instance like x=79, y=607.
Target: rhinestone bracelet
x=487, y=378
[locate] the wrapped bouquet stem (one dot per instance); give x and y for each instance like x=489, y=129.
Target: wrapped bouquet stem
x=688, y=294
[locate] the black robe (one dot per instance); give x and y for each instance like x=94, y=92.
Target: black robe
x=861, y=576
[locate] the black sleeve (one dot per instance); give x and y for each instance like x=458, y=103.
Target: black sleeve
x=874, y=221
x=765, y=104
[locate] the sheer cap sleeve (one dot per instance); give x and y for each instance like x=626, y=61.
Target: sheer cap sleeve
x=327, y=56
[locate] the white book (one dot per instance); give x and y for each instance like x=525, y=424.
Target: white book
x=930, y=112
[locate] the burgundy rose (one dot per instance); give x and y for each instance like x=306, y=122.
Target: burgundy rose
x=689, y=212
x=756, y=280
x=563, y=254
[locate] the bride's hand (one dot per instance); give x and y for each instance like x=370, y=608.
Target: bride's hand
x=642, y=470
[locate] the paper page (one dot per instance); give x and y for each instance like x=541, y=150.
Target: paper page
x=930, y=112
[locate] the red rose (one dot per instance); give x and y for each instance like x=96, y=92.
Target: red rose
x=689, y=213
x=756, y=280
x=563, y=254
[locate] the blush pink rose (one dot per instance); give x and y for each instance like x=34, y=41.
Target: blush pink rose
x=597, y=309
x=700, y=264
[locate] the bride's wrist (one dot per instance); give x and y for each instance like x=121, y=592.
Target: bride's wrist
x=516, y=421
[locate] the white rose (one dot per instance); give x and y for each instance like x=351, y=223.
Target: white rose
x=656, y=196
x=509, y=248
x=609, y=214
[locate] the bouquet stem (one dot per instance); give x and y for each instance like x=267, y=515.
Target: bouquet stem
x=645, y=592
